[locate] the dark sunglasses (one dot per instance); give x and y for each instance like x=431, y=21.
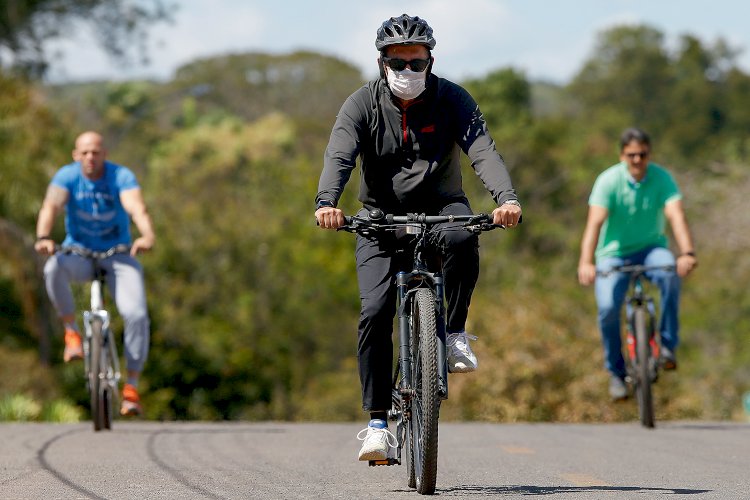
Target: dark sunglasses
x=642, y=154
x=417, y=65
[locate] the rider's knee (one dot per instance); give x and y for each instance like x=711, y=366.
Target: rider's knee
x=609, y=315
x=51, y=267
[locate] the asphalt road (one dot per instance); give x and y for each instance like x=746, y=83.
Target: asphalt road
x=148, y=460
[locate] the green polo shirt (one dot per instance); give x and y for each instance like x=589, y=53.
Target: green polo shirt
x=636, y=209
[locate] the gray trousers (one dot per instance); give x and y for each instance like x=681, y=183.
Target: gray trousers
x=124, y=277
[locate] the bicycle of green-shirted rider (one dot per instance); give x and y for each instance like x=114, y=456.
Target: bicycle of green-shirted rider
x=643, y=344
x=101, y=359
x=420, y=380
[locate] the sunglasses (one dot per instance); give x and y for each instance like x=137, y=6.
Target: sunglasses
x=632, y=156
x=396, y=64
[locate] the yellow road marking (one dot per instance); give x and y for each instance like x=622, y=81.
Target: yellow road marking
x=518, y=450
x=584, y=480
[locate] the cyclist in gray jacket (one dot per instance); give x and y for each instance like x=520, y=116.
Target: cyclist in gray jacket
x=408, y=128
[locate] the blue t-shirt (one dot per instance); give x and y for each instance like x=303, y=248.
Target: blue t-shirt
x=95, y=218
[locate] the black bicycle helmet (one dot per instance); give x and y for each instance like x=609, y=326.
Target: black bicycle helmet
x=404, y=30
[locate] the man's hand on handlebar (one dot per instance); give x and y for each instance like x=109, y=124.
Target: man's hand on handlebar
x=45, y=246
x=586, y=273
x=686, y=263
x=142, y=244
x=506, y=215
x=330, y=217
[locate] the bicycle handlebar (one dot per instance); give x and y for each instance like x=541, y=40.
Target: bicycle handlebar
x=377, y=220
x=634, y=269
x=91, y=254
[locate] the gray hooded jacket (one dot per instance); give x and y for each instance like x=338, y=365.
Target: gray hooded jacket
x=410, y=155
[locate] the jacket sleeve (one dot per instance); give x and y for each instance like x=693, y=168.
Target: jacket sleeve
x=340, y=156
x=476, y=142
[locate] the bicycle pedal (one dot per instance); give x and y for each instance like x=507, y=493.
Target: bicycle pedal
x=387, y=461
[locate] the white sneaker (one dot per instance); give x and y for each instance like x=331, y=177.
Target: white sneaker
x=461, y=359
x=377, y=441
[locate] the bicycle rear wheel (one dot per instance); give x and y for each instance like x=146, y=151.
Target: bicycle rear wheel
x=643, y=368
x=425, y=404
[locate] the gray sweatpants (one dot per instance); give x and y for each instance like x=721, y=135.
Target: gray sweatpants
x=124, y=276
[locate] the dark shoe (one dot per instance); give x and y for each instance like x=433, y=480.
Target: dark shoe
x=618, y=390
x=668, y=359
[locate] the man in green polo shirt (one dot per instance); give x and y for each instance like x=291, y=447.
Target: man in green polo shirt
x=628, y=207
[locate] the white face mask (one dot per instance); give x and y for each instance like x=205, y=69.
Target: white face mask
x=406, y=84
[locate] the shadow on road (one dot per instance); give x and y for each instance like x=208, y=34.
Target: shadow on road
x=720, y=426
x=555, y=490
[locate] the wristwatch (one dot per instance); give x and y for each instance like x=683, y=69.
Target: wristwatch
x=324, y=203
x=512, y=202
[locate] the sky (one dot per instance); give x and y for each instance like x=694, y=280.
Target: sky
x=546, y=39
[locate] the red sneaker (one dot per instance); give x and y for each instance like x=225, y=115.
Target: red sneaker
x=73, y=347
x=131, y=402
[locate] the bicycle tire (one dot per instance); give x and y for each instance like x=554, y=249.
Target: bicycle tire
x=403, y=435
x=95, y=379
x=642, y=368
x=107, y=374
x=425, y=405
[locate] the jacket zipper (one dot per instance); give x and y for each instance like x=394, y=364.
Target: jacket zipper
x=403, y=118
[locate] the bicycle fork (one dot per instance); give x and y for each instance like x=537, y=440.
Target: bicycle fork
x=648, y=304
x=108, y=342
x=651, y=310
x=405, y=331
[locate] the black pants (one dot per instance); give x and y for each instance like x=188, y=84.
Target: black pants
x=376, y=269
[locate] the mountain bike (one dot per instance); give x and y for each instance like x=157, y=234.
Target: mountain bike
x=643, y=343
x=101, y=359
x=420, y=379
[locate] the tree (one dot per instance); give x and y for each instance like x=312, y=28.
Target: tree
x=627, y=80
x=26, y=24
x=30, y=140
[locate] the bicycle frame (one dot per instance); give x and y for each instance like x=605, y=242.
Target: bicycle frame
x=100, y=354
x=405, y=285
x=422, y=351
x=98, y=311
x=643, y=344
x=638, y=299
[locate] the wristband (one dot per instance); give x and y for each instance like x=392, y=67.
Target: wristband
x=690, y=253
x=42, y=238
x=324, y=203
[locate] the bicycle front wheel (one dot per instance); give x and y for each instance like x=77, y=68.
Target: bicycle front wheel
x=96, y=381
x=108, y=396
x=425, y=403
x=643, y=368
